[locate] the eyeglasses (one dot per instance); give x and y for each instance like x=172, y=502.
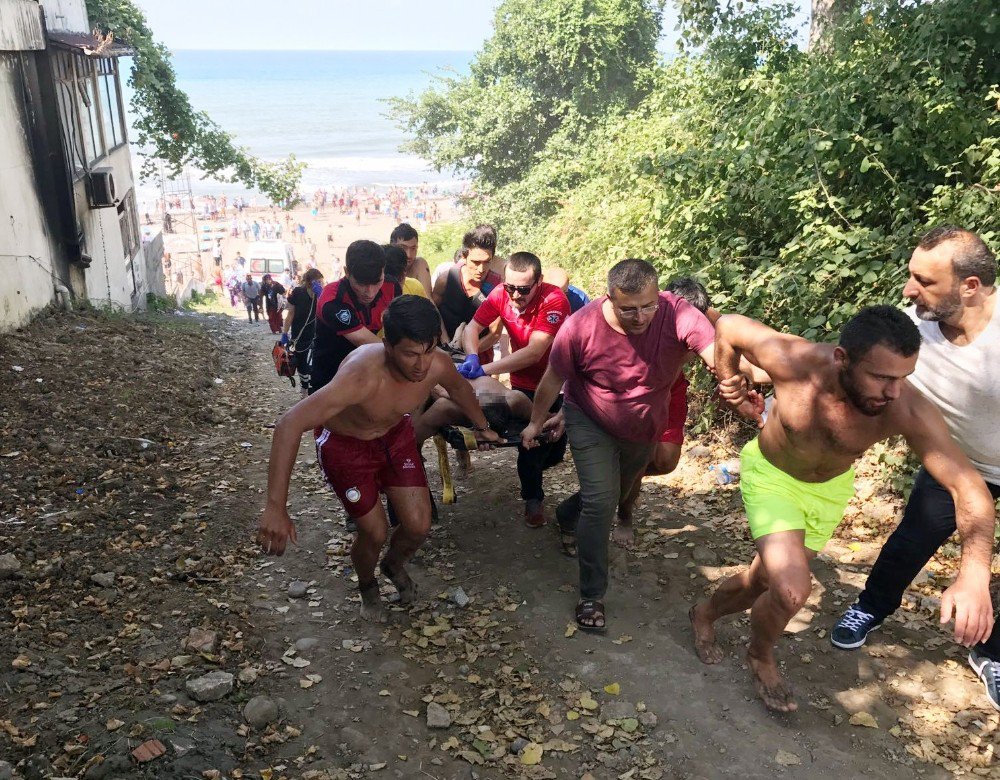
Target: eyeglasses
x=633, y=312
x=520, y=289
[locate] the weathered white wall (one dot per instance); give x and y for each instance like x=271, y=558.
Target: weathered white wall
x=20, y=26
x=108, y=278
x=66, y=15
x=25, y=283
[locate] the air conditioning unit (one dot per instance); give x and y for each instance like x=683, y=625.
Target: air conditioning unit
x=101, y=188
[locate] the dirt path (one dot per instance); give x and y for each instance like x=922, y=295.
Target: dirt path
x=487, y=653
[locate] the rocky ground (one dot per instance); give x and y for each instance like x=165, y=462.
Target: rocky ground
x=143, y=635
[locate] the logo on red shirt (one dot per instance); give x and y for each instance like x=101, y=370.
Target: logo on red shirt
x=344, y=315
x=553, y=317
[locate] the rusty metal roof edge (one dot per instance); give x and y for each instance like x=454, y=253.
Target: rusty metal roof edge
x=88, y=44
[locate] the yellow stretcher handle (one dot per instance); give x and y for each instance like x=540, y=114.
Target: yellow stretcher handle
x=444, y=467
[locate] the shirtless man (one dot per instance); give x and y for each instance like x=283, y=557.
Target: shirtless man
x=405, y=237
x=365, y=445
x=832, y=403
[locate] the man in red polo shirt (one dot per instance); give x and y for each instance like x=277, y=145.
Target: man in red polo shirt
x=532, y=311
x=349, y=311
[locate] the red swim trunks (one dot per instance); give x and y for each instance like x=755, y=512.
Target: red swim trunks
x=357, y=470
x=674, y=434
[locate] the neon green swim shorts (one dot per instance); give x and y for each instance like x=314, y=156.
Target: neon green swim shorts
x=776, y=502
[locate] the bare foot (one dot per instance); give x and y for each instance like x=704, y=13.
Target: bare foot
x=771, y=686
x=401, y=579
x=623, y=536
x=371, y=604
x=705, y=646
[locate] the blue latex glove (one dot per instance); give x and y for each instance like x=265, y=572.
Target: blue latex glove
x=470, y=367
x=284, y=340
x=317, y=288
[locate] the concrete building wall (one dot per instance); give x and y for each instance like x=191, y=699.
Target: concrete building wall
x=27, y=251
x=52, y=138
x=109, y=278
x=66, y=15
x=20, y=26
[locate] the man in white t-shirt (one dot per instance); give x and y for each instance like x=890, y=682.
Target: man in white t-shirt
x=952, y=286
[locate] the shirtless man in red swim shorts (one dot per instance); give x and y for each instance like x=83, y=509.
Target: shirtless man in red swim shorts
x=365, y=444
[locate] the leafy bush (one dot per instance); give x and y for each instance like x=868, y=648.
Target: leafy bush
x=793, y=184
x=439, y=242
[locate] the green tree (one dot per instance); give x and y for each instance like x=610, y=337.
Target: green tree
x=700, y=19
x=169, y=128
x=550, y=65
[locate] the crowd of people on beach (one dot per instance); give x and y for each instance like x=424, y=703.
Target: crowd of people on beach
x=391, y=354
x=419, y=203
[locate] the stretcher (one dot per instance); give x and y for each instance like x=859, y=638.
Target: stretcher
x=463, y=441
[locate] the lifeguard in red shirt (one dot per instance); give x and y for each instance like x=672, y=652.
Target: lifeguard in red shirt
x=532, y=311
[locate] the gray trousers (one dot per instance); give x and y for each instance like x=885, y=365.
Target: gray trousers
x=606, y=467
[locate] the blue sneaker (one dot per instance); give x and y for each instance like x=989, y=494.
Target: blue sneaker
x=988, y=671
x=851, y=631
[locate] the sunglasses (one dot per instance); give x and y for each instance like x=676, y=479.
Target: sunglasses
x=520, y=289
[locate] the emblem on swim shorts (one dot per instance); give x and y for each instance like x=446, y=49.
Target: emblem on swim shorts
x=409, y=464
x=353, y=495
x=344, y=315
x=553, y=317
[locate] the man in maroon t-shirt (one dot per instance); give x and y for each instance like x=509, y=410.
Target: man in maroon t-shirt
x=618, y=356
x=532, y=311
x=349, y=311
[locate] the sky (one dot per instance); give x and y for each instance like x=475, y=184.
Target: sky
x=393, y=25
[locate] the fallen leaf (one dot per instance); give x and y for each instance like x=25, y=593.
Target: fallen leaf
x=531, y=755
x=570, y=629
x=864, y=719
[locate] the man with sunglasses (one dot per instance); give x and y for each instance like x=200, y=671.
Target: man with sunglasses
x=618, y=356
x=532, y=311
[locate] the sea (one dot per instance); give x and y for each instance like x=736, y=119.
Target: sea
x=326, y=107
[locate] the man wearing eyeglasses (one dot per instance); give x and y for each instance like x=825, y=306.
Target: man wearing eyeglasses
x=618, y=356
x=532, y=311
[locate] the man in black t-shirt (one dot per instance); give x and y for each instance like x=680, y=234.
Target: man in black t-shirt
x=300, y=323
x=349, y=311
x=270, y=291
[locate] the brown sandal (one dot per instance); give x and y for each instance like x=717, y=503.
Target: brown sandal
x=591, y=611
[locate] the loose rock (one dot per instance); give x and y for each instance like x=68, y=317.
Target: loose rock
x=202, y=640
x=297, y=589
x=306, y=643
x=261, y=711
x=9, y=566
x=437, y=716
x=104, y=579
x=211, y=687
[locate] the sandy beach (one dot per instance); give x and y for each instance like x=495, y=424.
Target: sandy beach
x=327, y=235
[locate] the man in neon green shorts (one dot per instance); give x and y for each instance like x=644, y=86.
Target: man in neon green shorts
x=832, y=403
